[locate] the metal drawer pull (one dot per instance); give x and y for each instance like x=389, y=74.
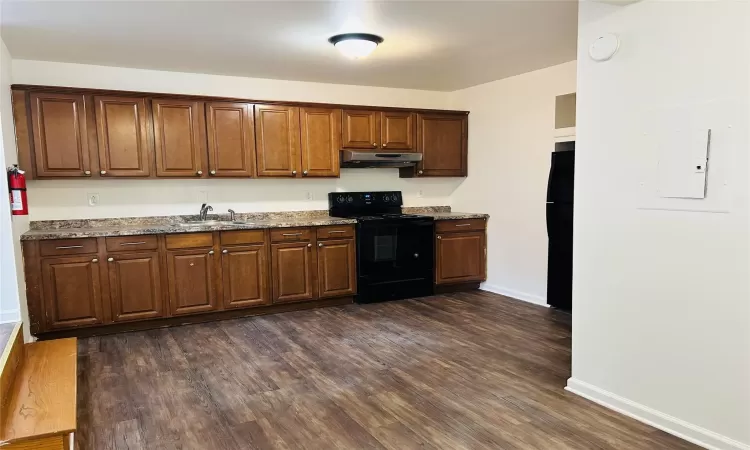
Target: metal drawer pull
x=464, y=225
x=336, y=231
x=69, y=246
x=133, y=243
x=291, y=234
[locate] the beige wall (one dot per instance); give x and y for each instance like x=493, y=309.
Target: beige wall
x=661, y=298
x=65, y=199
x=511, y=137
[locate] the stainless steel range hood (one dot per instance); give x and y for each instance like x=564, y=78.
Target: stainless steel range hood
x=354, y=159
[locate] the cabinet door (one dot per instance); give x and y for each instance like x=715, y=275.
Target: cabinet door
x=460, y=257
x=178, y=138
x=321, y=141
x=397, y=130
x=231, y=139
x=337, y=273
x=277, y=140
x=292, y=272
x=442, y=140
x=61, y=144
x=125, y=149
x=191, y=281
x=135, y=286
x=245, y=276
x=72, y=291
x=360, y=129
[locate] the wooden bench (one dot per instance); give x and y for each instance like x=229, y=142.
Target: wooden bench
x=38, y=394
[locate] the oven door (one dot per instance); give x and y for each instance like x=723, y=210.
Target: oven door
x=395, y=259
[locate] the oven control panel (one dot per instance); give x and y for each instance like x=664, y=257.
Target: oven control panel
x=363, y=199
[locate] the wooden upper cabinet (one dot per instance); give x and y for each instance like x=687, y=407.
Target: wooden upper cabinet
x=397, y=130
x=135, y=286
x=61, y=146
x=292, y=272
x=245, y=276
x=72, y=291
x=460, y=257
x=321, y=141
x=442, y=140
x=337, y=271
x=125, y=147
x=191, y=278
x=360, y=129
x=231, y=139
x=179, y=141
x=277, y=140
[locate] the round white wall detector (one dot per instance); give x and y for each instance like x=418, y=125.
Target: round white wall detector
x=604, y=47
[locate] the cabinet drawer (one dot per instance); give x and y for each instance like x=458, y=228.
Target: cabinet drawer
x=67, y=247
x=190, y=240
x=242, y=237
x=447, y=226
x=290, y=234
x=130, y=243
x=336, y=231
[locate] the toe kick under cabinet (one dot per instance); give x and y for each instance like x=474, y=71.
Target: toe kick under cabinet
x=99, y=282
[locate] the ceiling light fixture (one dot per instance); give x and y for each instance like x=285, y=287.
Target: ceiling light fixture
x=356, y=45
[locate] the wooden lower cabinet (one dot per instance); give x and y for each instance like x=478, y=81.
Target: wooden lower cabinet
x=98, y=282
x=292, y=269
x=72, y=291
x=135, y=286
x=244, y=274
x=337, y=271
x=191, y=279
x=460, y=257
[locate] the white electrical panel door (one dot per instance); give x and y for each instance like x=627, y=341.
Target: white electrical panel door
x=683, y=159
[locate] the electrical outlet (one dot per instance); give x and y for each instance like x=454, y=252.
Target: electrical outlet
x=420, y=193
x=308, y=195
x=202, y=197
x=93, y=199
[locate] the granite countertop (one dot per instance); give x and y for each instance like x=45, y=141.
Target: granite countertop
x=455, y=215
x=96, y=230
x=132, y=226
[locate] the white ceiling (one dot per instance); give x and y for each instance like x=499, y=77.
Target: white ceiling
x=434, y=45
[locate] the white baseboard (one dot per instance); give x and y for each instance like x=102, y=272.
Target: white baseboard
x=530, y=298
x=10, y=316
x=672, y=425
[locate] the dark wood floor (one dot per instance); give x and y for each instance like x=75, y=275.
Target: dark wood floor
x=458, y=371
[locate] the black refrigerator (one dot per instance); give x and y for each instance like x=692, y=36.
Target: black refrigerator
x=560, y=229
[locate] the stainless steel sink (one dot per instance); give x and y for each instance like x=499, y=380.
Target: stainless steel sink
x=213, y=222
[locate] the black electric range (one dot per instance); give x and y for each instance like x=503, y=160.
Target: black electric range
x=395, y=251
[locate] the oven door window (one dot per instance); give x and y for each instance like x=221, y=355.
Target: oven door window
x=391, y=252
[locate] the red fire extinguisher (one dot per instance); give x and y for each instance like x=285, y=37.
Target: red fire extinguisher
x=19, y=205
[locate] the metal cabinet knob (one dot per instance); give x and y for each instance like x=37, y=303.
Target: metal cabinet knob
x=439, y=237
x=294, y=172
x=304, y=172
x=374, y=144
x=320, y=244
x=94, y=260
x=420, y=172
x=110, y=259
x=103, y=172
x=213, y=172
x=199, y=173
x=210, y=252
x=309, y=245
x=225, y=251
x=87, y=172
x=384, y=145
